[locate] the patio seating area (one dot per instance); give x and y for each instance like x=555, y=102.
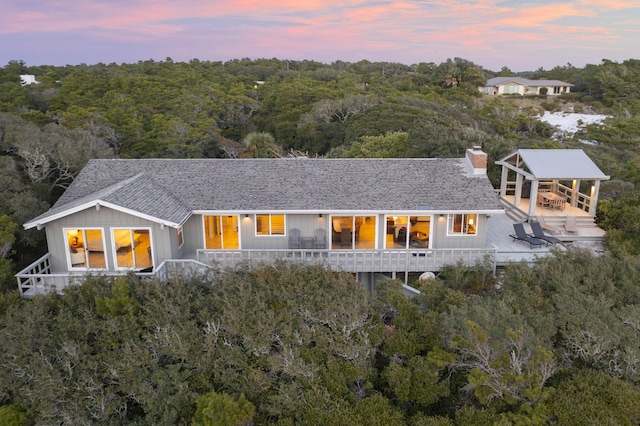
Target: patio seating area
x=551, y=200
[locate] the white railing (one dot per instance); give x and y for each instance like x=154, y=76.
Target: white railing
x=38, y=279
x=411, y=260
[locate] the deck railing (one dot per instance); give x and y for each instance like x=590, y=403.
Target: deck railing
x=583, y=201
x=37, y=278
x=410, y=260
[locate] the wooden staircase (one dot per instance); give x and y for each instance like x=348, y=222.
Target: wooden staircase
x=513, y=212
x=587, y=228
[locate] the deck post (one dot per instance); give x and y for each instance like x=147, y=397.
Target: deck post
x=503, y=181
x=595, y=190
x=575, y=188
x=518, y=194
x=533, y=198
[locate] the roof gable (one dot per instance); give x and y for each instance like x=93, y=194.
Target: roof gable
x=564, y=164
x=137, y=195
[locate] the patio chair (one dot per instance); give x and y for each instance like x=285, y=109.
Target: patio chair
x=294, y=239
x=559, y=203
x=541, y=201
x=570, y=226
x=553, y=229
x=539, y=233
x=320, y=239
x=521, y=235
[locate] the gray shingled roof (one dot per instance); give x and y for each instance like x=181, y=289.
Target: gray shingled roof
x=496, y=81
x=169, y=189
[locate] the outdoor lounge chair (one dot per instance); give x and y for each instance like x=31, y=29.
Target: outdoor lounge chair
x=539, y=233
x=294, y=239
x=320, y=239
x=521, y=235
x=570, y=225
x=553, y=229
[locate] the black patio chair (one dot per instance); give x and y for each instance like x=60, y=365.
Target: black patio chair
x=539, y=233
x=521, y=235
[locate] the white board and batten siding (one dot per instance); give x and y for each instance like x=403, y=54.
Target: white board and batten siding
x=105, y=219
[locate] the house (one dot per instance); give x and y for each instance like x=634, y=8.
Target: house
x=524, y=86
x=554, y=184
x=27, y=79
x=366, y=216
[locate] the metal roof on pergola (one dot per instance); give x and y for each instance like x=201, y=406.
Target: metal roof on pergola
x=539, y=165
x=563, y=164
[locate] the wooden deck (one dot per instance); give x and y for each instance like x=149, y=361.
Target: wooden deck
x=525, y=203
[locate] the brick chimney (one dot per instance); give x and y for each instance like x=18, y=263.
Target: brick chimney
x=478, y=160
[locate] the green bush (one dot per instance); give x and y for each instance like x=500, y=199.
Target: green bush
x=221, y=409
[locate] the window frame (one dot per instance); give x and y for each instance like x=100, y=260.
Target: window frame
x=269, y=224
x=180, y=236
x=464, y=230
x=131, y=230
x=84, y=239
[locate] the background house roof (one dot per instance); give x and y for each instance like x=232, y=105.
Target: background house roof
x=497, y=81
x=168, y=189
x=555, y=164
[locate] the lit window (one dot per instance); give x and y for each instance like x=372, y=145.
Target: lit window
x=85, y=248
x=269, y=224
x=132, y=248
x=180, y=237
x=462, y=224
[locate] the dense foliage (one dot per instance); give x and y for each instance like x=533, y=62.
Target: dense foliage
x=290, y=344
x=556, y=343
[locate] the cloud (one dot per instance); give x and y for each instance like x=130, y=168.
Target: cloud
x=400, y=30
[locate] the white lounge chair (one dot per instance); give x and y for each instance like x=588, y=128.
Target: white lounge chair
x=552, y=229
x=570, y=226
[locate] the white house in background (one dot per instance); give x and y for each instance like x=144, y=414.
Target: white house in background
x=27, y=79
x=366, y=216
x=524, y=86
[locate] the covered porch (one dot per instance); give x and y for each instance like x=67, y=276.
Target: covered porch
x=550, y=182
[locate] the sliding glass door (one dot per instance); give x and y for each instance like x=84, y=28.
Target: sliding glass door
x=132, y=248
x=221, y=232
x=407, y=231
x=353, y=232
x=85, y=248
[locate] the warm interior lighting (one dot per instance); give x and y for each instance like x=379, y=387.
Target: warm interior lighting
x=470, y=221
x=246, y=215
x=593, y=190
x=74, y=234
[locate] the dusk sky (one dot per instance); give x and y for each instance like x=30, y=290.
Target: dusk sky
x=523, y=35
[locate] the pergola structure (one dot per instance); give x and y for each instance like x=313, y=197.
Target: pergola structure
x=567, y=173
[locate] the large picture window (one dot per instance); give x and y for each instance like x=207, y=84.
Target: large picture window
x=85, y=248
x=462, y=224
x=270, y=224
x=132, y=248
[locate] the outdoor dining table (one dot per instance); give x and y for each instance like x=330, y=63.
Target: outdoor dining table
x=554, y=200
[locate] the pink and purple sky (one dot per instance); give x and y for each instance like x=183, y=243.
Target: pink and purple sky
x=521, y=34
